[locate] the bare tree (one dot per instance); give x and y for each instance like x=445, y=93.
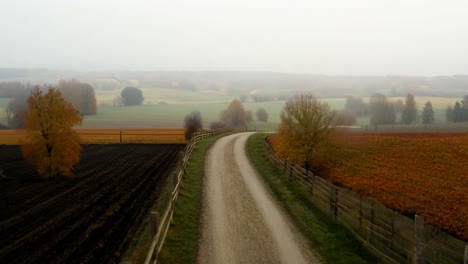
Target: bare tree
x=305, y=123
x=193, y=122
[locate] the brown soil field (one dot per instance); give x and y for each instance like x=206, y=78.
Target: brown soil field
x=89, y=218
x=109, y=136
x=412, y=173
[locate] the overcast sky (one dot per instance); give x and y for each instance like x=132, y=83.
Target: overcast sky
x=335, y=37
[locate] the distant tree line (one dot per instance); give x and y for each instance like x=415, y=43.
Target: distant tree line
x=80, y=95
x=384, y=112
x=459, y=112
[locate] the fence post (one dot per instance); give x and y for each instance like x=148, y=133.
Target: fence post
x=285, y=165
x=418, y=239
x=333, y=200
x=290, y=172
x=360, y=210
x=465, y=261
x=154, y=223
x=335, y=209
x=311, y=182
x=371, y=225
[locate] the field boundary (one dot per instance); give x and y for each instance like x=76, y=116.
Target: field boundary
x=397, y=238
x=162, y=225
x=108, y=136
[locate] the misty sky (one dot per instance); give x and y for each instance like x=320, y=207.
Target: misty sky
x=347, y=37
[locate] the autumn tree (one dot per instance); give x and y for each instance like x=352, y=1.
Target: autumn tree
x=305, y=124
x=410, y=112
x=132, y=96
x=192, y=123
x=262, y=115
x=427, y=115
x=234, y=115
x=52, y=145
x=80, y=95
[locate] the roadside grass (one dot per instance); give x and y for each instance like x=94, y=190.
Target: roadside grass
x=331, y=240
x=181, y=244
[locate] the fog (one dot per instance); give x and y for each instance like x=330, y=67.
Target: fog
x=359, y=37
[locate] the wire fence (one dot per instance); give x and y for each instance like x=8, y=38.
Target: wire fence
x=397, y=238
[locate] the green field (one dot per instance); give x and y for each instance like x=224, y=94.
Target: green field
x=167, y=96
x=179, y=103
x=166, y=108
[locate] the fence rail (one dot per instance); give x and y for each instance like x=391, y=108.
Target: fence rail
x=162, y=225
x=397, y=238
x=106, y=136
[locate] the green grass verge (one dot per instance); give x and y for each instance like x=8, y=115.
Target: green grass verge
x=333, y=242
x=181, y=244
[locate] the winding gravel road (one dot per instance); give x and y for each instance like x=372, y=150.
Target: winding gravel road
x=241, y=221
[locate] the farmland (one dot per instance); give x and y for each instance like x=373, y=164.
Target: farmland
x=86, y=219
x=411, y=173
x=165, y=108
x=106, y=136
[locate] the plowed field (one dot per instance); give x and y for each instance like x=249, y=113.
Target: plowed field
x=86, y=219
x=413, y=173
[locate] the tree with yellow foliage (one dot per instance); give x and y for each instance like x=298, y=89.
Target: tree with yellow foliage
x=305, y=123
x=52, y=145
x=234, y=115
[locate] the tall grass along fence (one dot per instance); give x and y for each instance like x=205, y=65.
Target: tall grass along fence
x=162, y=225
x=397, y=238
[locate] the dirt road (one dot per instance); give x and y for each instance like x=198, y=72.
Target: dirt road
x=241, y=222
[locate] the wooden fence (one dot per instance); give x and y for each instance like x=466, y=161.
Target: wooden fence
x=397, y=238
x=108, y=136
x=162, y=225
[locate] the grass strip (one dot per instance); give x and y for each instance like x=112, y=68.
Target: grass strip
x=331, y=240
x=181, y=244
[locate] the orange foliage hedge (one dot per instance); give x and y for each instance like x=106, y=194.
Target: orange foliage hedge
x=425, y=173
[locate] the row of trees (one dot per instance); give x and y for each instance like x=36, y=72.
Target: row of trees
x=80, y=95
x=384, y=112
x=234, y=116
x=459, y=112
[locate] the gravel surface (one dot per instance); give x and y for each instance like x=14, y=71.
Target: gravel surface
x=241, y=221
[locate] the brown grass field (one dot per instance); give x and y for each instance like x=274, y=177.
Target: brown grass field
x=108, y=136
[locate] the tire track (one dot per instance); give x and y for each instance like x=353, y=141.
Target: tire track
x=241, y=221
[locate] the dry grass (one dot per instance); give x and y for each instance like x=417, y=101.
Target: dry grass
x=108, y=136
